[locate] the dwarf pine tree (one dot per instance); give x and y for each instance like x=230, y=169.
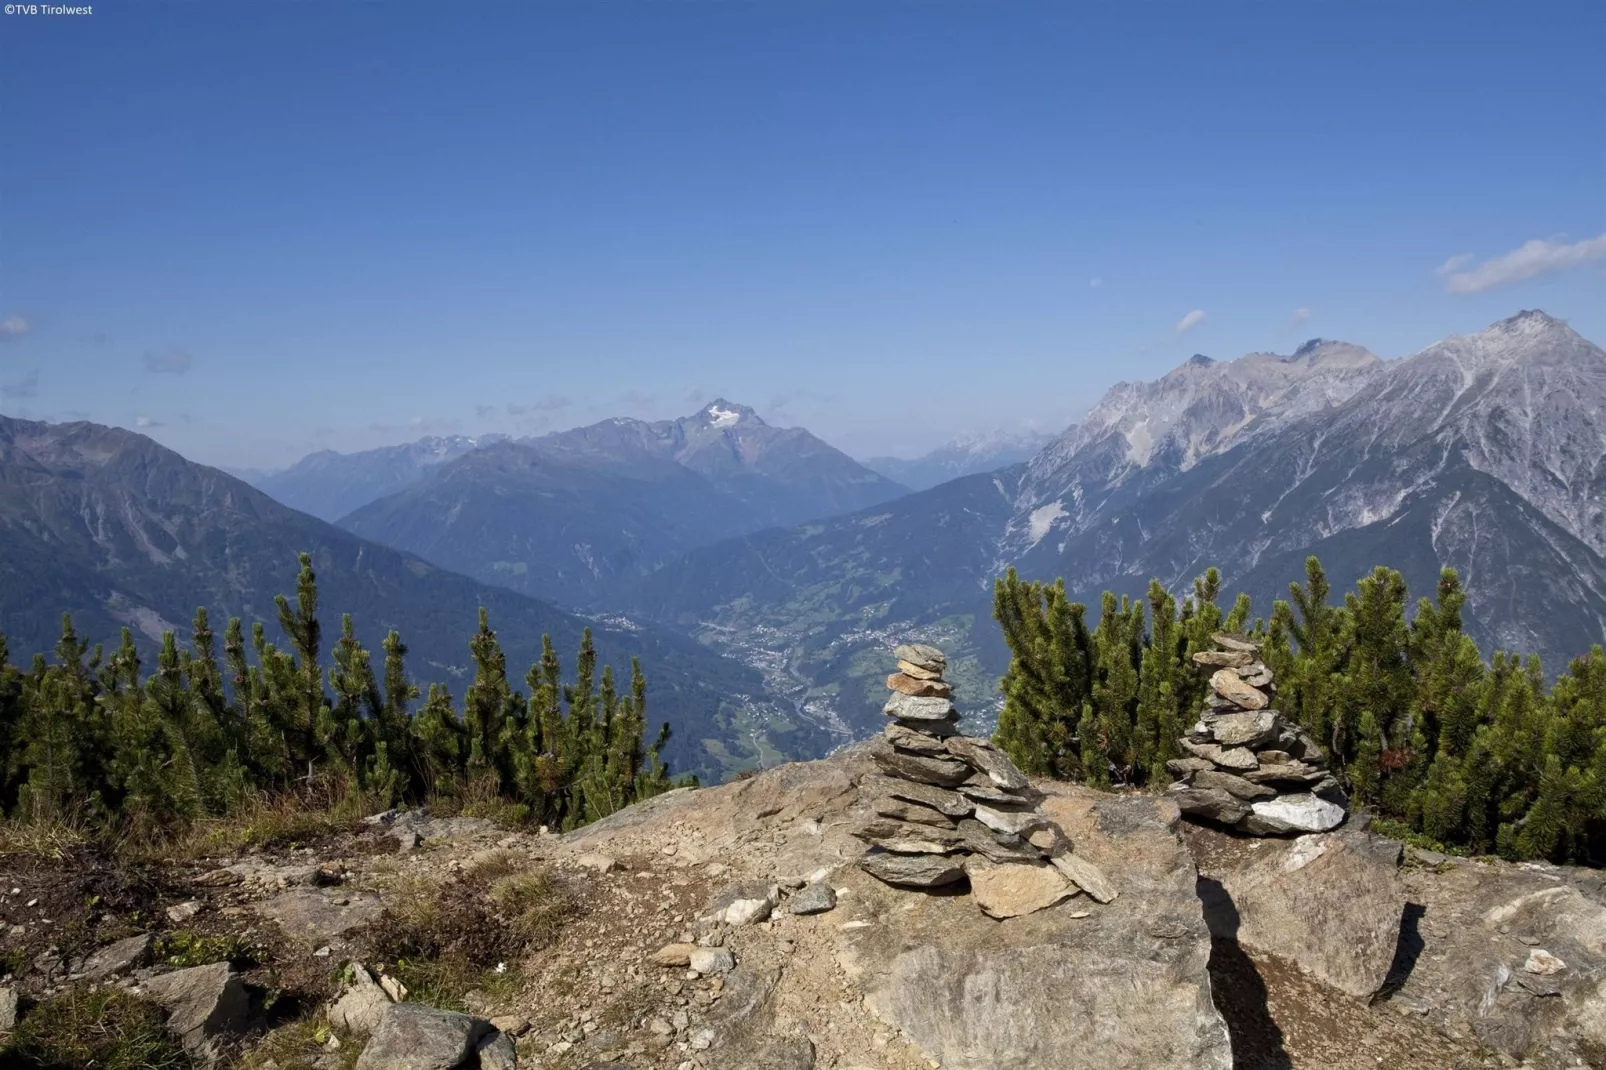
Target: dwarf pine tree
x=93, y=737
x=1470, y=753
x=1049, y=678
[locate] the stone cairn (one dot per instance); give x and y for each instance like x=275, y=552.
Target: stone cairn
x=949, y=806
x=1247, y=766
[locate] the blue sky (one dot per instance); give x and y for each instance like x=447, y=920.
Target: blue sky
x=257, y=229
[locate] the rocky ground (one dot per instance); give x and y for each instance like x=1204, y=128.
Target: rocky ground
x=670, y=937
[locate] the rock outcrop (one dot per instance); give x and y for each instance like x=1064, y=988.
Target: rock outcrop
x=1247, y=766
x=950, y=807
x=1511, y=956
x=902, y=977
x=1329, y=903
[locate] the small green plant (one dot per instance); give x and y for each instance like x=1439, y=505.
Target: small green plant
x=1399, y=830
x=104, y=1028
x=186, y=948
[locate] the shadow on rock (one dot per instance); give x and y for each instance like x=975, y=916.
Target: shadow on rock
x=1236, y=987
x=1406, y=952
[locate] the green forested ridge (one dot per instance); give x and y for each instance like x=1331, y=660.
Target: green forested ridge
x=1471, y=753
x=90, y=734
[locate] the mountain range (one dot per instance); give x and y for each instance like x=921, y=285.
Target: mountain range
x=572, y=515
x=1485, y=452
x=716, y=534
x=117, y=530
x=964, y=456
x=329, y=485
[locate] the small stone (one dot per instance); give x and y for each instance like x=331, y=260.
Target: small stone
x=1236, y=641
x=943, y=772
x=747, y=912
x=179, y=913
x=913, y=871
x=1245, y=729
x=1019, y=823
x=921, y=656
x=1294, y=813
x=1210, y=803
x=712, y=960
x=361, y=1005
x=1049, y=840
x=1293, y=772
x=909, y=839
x=913, y=740
x=511, y=1024
x=813, y=899
x=1543, y=963
x=702, y=1040
x=1232, y=785
x=1181, y=767
x=8, y=1009
x=1273, y=757
x=1230, y=686
x=905, y=684
x=945, y=802
x=673, y=955
x=1255, y=674
x=981, y=789
x=601, y=863
x=393, y=988
x=1234, y=758
x=915, y=710
x=1087, y=876
x=1223, y=659
x=1009, y=891
x=903, y=810
x=987, y=759
x=116, y=958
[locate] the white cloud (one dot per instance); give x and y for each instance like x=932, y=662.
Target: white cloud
x=1095, y=282
x=1301, y=315
x=1531, y=258
x=1455, y=263
x=13, y=326
x=146, y=421
x=1190, y=321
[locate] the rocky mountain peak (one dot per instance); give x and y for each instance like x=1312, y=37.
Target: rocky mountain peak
x=726, y=414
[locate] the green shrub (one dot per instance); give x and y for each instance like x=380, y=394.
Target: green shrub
x=103, y=1029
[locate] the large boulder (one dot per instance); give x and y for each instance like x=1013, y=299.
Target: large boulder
x=412, y=1036
x=204, y=1004
x=1122, y=985
x=1511, y=956
x=1075, y=985
x=1329, y=904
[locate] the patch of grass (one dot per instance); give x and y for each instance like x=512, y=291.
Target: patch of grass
x=444, y=940
x=316, y=812
x=103, y=1028
x=1399, y=830
x=302, y=1045
x=53, y=838
x=186, y=948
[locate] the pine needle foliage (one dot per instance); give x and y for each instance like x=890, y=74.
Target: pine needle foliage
x=89, y=736
x=1481, y=755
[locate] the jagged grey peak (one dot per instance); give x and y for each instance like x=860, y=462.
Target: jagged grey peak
x=1200, y=408
x=1523, y=401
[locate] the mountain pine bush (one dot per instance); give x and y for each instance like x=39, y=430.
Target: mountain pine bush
x=86, y=735
x=1480, y=755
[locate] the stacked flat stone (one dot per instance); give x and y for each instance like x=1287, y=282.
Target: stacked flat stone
x=1246, y=765
x=948, y=806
